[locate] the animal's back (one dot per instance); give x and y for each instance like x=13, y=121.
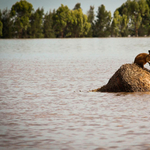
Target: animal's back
x=140, y=59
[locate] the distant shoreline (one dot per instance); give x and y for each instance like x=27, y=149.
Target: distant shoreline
x=23, y=22
x=73, y=38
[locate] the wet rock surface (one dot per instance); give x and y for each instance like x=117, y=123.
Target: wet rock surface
x=128, y=78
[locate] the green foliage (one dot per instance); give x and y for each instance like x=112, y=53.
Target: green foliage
x=90, y=14
x=124, y=25
x=148, y=2
x=131, y=18
x=86, y=26
x=70, y=23
x=1, y=27
x=79, y=25
x=7, y=28
x=137, y=12
x=1, y=24
x=119, y=24
x=36, y=24
x=102, y=23
x=77, y=6
x=61, y=19
x=21, y=12
x=144, y=28
x=116, y=24
x=49, y=32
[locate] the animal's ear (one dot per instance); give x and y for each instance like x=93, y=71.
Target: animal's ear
x=149, y=51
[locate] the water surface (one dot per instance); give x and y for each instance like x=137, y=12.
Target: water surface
x=45, y=101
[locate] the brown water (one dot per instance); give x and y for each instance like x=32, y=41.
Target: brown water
x=45, y=103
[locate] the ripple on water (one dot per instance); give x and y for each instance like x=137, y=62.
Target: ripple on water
x=45, y=101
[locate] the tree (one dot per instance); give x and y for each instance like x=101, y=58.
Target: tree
x=144, y=28
x=148, y=2
x=78, y=25
x=137, y=12
x=61, y=19
x=1, y=24
x=102, y=23
x=48, y=25
x=21, y=12
x=70, y=23
x=91, y=16
x=124, y=25
x=36, y=24
x=77, y=6
x=1, y=28
x=116, y=23
x=138, y=9
x=86, y=26
x=135, y=16
x=119, y=24
x=6, y=24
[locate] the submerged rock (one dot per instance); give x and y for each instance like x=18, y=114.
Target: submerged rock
x=128, y=78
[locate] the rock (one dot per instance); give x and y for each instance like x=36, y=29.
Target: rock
x=128, y=78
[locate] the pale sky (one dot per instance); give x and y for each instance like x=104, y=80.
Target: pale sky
x=110, y=5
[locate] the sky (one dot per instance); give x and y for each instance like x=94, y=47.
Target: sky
x=48, y=5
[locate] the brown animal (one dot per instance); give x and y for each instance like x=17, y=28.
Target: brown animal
x=142, y=59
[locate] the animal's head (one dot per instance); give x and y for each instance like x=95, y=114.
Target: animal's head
x=148, y=58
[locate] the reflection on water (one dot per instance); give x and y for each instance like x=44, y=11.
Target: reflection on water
x=44, y=98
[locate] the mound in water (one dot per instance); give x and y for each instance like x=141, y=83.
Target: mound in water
x=128, y=78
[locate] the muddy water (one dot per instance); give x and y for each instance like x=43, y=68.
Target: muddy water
x=45, y=103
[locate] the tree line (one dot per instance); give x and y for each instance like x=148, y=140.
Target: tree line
x=22, y=21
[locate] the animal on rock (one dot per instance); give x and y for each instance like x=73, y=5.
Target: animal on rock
x=142, y=58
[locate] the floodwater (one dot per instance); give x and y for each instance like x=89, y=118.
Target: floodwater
x=45, y=103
